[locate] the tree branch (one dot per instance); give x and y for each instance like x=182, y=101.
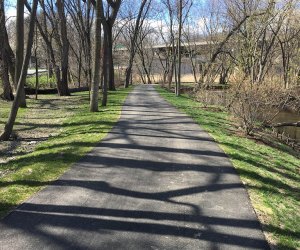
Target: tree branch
x=283, y=124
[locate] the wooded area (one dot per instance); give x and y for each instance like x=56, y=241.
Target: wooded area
x=251, y=46
x=233, y=66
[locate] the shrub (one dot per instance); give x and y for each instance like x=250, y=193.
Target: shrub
x=257, y=104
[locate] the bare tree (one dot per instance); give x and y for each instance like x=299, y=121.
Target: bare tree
x=23, y=73
x=108, y=18
x=4, y=56
x=171, y=16
x=288, y=38
x=108, y=21
x=145, y=53
x=80, y=26
x=177, y=11
x=180, y=19
x=20, y=51
x=48, y=27
x=138, y=24
x=165, y=56
x=63, y=87
x=257, y=35
x=96, y=79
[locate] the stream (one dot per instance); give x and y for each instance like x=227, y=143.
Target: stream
x=287, y=116
x=219, y=97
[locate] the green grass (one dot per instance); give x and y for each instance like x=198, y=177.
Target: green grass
x=4, y=112
x=43, y=81
x=4, y=109
x=271, y=176
x=79, y=132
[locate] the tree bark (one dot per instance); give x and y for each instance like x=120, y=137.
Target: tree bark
x=179, y=49
x=20, y=51
x=10, y=57
x=221, y=46
x=96, y=79
x=7, y=90
x=284, y=124
x=107, y=23
x=4, y=57
x=133, y=44
x=23, y=73
x=36, y=66
x=111, y=70
x=64, y=89
x=105, y=65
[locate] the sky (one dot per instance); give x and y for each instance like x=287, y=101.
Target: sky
x=11, y=10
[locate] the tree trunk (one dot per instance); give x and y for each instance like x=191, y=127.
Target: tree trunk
x=79, y=70
x=4, y=57
x=133, y=44
x=50, y=51
x=173, y=66
x=36, y=74
x=96, y=80
x=7, y=90
x=10, y=57
x=283, y=124
x=105, y=70
x=56, y=69
x=178, y=83
x=88, y=43
x=64, y=89
x=111, y=71
x=15, y=107
x=107, y=23
x=20, y=51
x=170, y=76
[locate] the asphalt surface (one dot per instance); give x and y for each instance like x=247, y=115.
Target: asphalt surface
x=157, y=181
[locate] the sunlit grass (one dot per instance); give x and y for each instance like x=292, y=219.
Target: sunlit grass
x=44, y=81
x=271, y=176
x=79, y=133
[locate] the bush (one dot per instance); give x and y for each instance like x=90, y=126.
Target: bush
x=257, y=105
x=43, y=82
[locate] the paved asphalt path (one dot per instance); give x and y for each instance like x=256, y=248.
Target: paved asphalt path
x=157, y=181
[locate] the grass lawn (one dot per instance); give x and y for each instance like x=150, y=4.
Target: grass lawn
x=74, y=132
x=271, y=176
x=44, y=82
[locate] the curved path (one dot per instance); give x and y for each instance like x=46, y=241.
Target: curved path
x=157, y=181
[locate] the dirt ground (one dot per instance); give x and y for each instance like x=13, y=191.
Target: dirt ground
x=42, y=119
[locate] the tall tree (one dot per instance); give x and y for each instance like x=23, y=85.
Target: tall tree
x=81, y=20
x=180, y=7
x=23, y=73
x=171, y=10
x=64, y=90
x=56, y=30
x=145, y=53
x=137, y=28
x=4, y=56
x=108, y=19
x=96, y=79
x=289, y=40
x=20, y=50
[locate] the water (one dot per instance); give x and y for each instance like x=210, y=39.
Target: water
x=286, y=116
x=219, y=97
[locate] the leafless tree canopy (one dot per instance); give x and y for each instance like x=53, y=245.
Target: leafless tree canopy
x=246, y=45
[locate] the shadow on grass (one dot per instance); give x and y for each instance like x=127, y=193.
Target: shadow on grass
x=272, y=174
x=288, y=173
x=51, y=155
